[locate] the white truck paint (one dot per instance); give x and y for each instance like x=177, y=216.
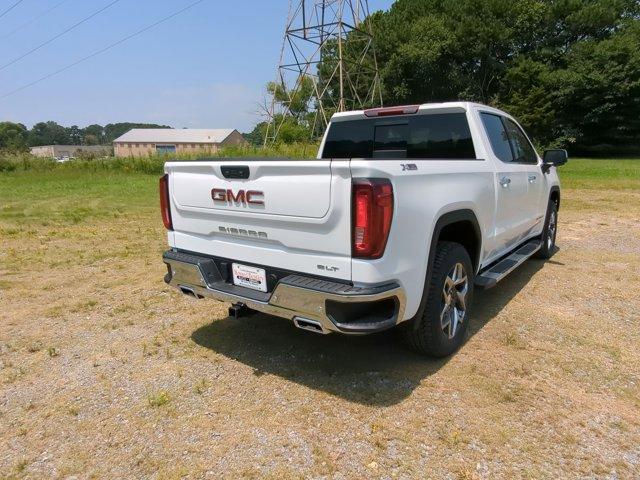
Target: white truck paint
x=304, y=225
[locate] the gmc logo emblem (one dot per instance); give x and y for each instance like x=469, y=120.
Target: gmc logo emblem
x=251, y=197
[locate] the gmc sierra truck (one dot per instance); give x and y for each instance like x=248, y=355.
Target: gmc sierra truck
x=404, y=211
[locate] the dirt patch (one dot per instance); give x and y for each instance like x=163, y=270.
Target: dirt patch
x=106, y=372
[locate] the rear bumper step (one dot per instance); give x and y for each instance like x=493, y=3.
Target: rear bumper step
x=313, y=304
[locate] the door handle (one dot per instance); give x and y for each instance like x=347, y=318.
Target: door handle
x=505, y=181
x=532, y=178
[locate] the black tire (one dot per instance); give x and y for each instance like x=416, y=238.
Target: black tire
x=427, y=333
x=549, y=232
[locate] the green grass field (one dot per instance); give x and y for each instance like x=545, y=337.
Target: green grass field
x=623, y=174
x=72, y=193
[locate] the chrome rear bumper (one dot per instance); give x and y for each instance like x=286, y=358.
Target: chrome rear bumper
x=313, y=304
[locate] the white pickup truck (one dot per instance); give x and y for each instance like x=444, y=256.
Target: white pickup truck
x=403, y=211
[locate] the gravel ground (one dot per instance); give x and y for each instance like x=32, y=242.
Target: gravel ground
x=107, y=373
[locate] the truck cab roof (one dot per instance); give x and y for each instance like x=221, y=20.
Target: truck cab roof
x=417, y=109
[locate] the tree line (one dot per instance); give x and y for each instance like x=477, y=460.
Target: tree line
x=16, y=136
x=569, y=70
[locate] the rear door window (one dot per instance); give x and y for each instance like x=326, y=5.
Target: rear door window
x=498, y=137
x=430, y=136
x=522, y=150
x=508, y=141
x=444, y=135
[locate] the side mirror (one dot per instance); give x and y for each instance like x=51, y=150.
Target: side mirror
x=554, y=158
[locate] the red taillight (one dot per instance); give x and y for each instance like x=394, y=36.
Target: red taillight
x=386, y=111
x=164, y=202
x=372, y=211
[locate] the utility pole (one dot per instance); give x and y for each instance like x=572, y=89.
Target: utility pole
x=328, y=45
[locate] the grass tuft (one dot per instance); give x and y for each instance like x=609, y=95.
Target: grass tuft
x=34, y=347
x=158, y=399
x=53, y=352
x=201, y=386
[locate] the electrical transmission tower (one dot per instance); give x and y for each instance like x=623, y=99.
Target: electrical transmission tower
x=327, y=65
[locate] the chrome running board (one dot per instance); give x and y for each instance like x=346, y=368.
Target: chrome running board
x=504, y=267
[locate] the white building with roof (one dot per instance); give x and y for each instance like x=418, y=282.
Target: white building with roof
x=139, y=142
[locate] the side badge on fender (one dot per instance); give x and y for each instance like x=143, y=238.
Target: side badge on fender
x=328, y=268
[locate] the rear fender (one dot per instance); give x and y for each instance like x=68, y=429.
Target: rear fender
x=445, y=219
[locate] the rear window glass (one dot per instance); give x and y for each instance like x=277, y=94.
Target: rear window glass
x=434, y=136
x=353, y=139
x=390, y=140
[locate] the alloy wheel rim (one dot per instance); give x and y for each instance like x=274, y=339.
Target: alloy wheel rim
x=551, y=230
x=454, y=299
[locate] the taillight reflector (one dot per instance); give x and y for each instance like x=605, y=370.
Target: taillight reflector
x=165, y=207
x=372, y=212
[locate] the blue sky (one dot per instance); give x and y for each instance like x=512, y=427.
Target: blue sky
x=206, y=68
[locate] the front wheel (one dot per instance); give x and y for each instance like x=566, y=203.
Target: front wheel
x=441, y=327
x=549, y=232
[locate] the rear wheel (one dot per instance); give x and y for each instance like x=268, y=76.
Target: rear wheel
x=549, y=232
x=441, y=327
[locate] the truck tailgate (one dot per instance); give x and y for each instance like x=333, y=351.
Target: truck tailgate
x=289, y=214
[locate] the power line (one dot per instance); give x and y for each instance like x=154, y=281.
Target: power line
x=29, y=22
x=11, y=8
x=55, y=37
x=102, y=50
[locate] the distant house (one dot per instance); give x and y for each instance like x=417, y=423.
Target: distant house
x=145, y=141
x=60, y=152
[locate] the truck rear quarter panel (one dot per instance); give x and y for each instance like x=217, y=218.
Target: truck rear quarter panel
x=421, y=197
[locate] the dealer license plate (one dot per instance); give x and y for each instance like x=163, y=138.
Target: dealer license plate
x=250, y=277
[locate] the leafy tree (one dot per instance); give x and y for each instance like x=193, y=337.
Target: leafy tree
x=568, y=69
x=296, y=125
x=359, y=67
x=13, y=136
x=297, y=100
x=598, y=93
x=291, y=130
x=94, y=135
x=48, y=133
x=256, y=136
x=75, y=134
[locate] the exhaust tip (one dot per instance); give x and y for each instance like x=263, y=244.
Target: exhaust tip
x=189, y=291
x=310, y=325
